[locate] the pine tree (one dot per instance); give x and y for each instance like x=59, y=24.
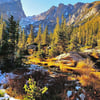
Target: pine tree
x=20, y=38
x=3, y=37
x=98, y=38
x=1, y=19
x=45, y=36
x=38, y=38
x=17, y=32
x=1, y=34
x=63, y=24
x=50, y=37
x=2, y=30
x=23, y=39
x=79, y=35
x=11, y=31
x=52, y=51
x=55, y=34
x=30, y=38
x=62, y=21
x=74, y=46
x=62, y=40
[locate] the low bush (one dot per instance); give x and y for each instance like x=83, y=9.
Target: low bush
x=32, y=91
x=89, y=76
x=2, y=93
x=85, y=67
x=17, y=83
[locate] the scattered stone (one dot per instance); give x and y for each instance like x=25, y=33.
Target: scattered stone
x=77, y=87
x=82, y=96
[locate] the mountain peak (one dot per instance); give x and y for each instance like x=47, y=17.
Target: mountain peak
x=7, y=1
x=79, y=4
x=61, y=4
x=53, y=7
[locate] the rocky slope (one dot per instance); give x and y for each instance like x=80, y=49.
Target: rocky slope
x=89, y=10
x=11, y=7
x=49, y=17
x=78, y=14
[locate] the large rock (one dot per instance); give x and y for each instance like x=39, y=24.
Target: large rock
x=70, y=56
x=69, y=59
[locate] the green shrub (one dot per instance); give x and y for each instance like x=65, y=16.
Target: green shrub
x=32, y=91
x=1, y=93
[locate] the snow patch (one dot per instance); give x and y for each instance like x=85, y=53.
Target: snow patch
x=2, y=78
x=78, y=87
x=69, y=93
x=82, y=96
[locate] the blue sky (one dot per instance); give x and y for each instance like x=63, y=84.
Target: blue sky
x=34, y=7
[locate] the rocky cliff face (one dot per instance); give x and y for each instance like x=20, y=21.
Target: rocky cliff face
x=88, y=10
x=49, y=17
x=78, y=12
x=11, y=7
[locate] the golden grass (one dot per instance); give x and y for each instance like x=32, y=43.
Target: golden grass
x=92, y=79
x=49, y=63
x=89, y=76
x=85, y=67
x=14, y=94
x=95, y=55
x=84, y=80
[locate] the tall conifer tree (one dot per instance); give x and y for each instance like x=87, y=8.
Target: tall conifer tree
x=55, y=34
x=30, y=38
x=45, y=36
x=38, y=38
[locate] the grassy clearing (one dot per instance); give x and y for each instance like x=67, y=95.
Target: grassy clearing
x=87, y=74
x=49, y=63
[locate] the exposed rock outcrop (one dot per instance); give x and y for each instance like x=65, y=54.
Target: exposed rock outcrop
x=11, y=7
x=69, y=59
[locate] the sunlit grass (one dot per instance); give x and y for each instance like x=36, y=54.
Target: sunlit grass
x=14, y=94
x=85, y=67
x=92, y=79
x=95, y=55
x=88, y=75
x=49, y=63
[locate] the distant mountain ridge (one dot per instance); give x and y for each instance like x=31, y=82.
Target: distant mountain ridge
x=62, y=9
x=11, y=7
x=49, y=17
x=78, y=14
